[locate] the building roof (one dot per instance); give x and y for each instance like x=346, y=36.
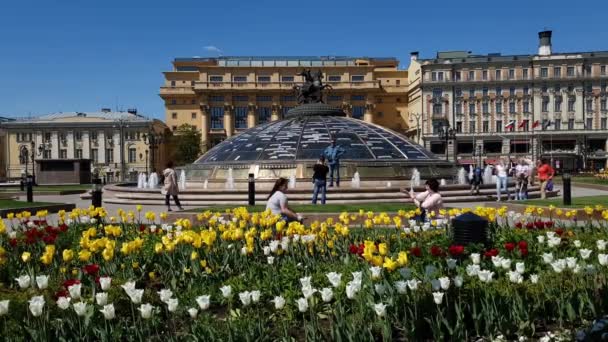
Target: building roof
x=281, y=61
x=467, y=57
x=109, y=116
x=281, y=58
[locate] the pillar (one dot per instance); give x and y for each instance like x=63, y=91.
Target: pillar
x=274, y=116
x=55, y=145
x=228, y=125
x=506, y=147
x=535, y=148
x=204, y=125
x=69, y=136
x=86, y=145
x=368, y=116
x=101, y=148
x=251, y=115
x=606, y=149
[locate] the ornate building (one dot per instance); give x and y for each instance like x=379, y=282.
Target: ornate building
x=119, y=144
x=543, y=105
x=226, y=95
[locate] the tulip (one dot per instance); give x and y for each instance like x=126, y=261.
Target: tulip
x=75, y=291
x=270, y=260
x=165, y=295
x=279, y=302
x=571, y=262
x=534, y=278
x=327, y=294
x=413, y=284
x=334, y=278
x=506, y=264
x=36, y=305
x=24, y=281
x=375, y=272
x=485, y=276
x=603, y=259
x=308, y=291
x=305, y=281
x=130, y=285
x=515, y=277
x=145, y=310
x=357, y=276
x=458, y=281
x=105, y=283
x=520, y=267
x=42, y=281
x=193, y=312
x=203, y=302
x=101, y=298
x=26, y=256
x=302, y=304
x=172, y=304
x=255, y=296
x=80, y=308
x=380, y=309
x=108, y=311
x=547, y=258
x=451, y=263
x=135, y=295
x=445, y=283
x=585, y=253
x=577, y=243
x=601, y=245
x=226, y=291
x=558, y=265
x=245, y=298
x=435, y=284
x=4, y=307
x=401, y=286
x=473, y=270
x=380, y=289
x=351, y=290
x=63, y=302
x=475, y=258
x=438, y=297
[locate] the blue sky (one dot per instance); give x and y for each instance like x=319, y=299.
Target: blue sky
x=68, y=55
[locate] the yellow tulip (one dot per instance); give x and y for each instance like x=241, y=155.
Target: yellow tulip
x=402, y=259
x=26, y=256
x=382, y=249
x=84, y=255
x=389, y=264
x=194, y=255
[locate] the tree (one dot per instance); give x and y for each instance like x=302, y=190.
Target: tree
x=186, y=144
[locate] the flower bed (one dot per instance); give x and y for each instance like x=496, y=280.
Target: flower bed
x=246, y=276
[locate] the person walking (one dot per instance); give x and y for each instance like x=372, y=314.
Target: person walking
x=430, y=201
x=277, y=202
x=319, y=179
x=522, y=176
x=501, y=180
x=333, y=153
x=545, y=175
x=170, y=187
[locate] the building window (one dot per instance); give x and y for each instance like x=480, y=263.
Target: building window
x=558, y=105
x=571, y=105
x=174, y=128
x=545, y=106
x=472, y=92
x=357, y=98
x=78, y=136
x=603, y=104
x=459, y=126
x=570, y=71
x=109, y=155
x=498, y=74
x=239, y=79
x=458, y=92
x=217, y=117
x=132, y=155
x=558, y=124
x=486, y=126
x=526, y=107
x=334, y=98
x=94, y=156
x=512, y=91
x=263, y=98
x=543, y=89
x=288, y=98
x=457, y=75
x=334, y=78
x=526, y=90
x=193, y=116
x=471, y=75
x=361, y=78
x=498, y=91
x=484, y=91
x=173, y=83
x=499, y=107
x=458, y=109
x=173, y=115
x=63, y=154
x=471, y=108
x=570, y=124
x=358, y=112
x=216, y=98
x=285, y=109
x=526, y=125
x=472, y=126
x=240, y=117
x=557, y=88
x=263, y=79
x=78, y=153
x=604, y=122
x=511, y=107
x=588, y=88
x=240, y=98
x=287, y=79
x=484, y=75
x=216, y=79
x=498, y=125
x=173, y=102
x=544, y=72
x=589, y=124
x=511, y=74
x=437, y=109
x=557, y=72
x=589, y=108
x=437, y=92
x=525, y=74
x=264, y=114
x=485, y=107
x=93, y=136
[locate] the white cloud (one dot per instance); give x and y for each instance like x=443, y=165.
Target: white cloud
x=212, y=48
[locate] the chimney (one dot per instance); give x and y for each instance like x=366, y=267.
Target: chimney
x=544, y=43
x=132, y=110
x=105, y=110
x=414, y=56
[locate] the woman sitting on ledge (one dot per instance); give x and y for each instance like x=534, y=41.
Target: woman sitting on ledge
x=277, y=202
x=429, y=201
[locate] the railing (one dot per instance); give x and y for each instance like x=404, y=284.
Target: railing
x=280, y=85
x=176, y=90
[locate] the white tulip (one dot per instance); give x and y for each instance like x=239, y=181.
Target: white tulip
x=4, y=307
x=296, y=238
x=554, y=241
x=101, y=298
x=351, y=290
x=327, y=294
x=75, y=291
x=244, y=250
x=334, y=278
x=444, y=282
x=435, y=284
x=274, y=246
x=255, y=296
x=485, y=276
x=42, y=281
x=601, y=245
x=302, y=304
x=193, y=312
x=24, y=281
x=165, y=295
x=473, y=270
x=375, y=272
x=603, y=259
x=270, y=260
x=203, y=302
x=266, y=250
x=36, y=305
x=497, y=261
x=380, y=289
x=429, y=270
x=515, y=277
x=108, y=311
x=153, y=228
x=279, y=302
x=401, y=286
x=585, y=253
x=577, y=243
x=458, y=281
x=136, y=295
x=145, y=310
x=540, y=239
x=558, y=265
x=406, y=273
x=438, y=297
x=475, y=258
x=63, y=302
x=305, y=281
x=105, y=283
x=413, y=284
x=576, y=269
x=380, y=309
x=308, y=291
x=130, y=285
x=506, y=264
x=80, y=308
x=571, y=262
x=245, y=298
x=172, y=304
x=451, y=263
x=357, y=276
x=590, y=269
x=547, y=258
x=226, y=291
x=534, y=278
x=520, y=267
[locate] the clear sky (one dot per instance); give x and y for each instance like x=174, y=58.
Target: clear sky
x=81, y=55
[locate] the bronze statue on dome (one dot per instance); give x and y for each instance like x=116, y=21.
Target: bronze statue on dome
x=312, y=89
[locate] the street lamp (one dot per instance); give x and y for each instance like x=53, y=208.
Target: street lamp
x=417, y=116
x=153, y=140
x=24, y=157
x=478, y=154
x=121, y=124
x=447, y=133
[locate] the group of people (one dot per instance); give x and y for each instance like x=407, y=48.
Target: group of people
x=523, y=173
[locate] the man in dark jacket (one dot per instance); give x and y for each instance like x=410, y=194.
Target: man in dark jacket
x=319, y=179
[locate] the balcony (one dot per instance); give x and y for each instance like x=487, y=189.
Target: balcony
x=279, y=85
x=173, y=91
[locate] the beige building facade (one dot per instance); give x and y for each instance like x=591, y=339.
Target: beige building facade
x=226, y=95
x=119, y=144
x=3, y=142
x=551, y=105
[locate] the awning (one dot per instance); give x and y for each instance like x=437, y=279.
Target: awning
x=520, y=141
x=466, y=161
x=490, y=161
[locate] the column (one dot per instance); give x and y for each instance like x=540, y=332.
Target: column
x=451, y=148
x=69, y=136
x=55, y=145
x=38, y=139
x=606, y=149
x=274, y=116
x=251, y=115
x=368, y=116
x=86, y=145
x=228, y=124
x=506, y=147
x=535, y=148
x=117, y=147
x=101, y=147
x=579, y=110
x=204, y=125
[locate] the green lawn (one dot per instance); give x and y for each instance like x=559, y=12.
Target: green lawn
x=328, y=208
x=589, y=180
x=577, y=202
x=43, y=188
x=13, y=204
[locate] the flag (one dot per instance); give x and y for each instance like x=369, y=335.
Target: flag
x=510, y=124
x=522, y=124
x=546, y=124
x=536, y=124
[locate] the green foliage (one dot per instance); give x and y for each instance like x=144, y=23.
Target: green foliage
x=186, y=143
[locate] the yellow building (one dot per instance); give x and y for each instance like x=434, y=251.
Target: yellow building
x=3, y=149
x=223, y=96
x=119, y=144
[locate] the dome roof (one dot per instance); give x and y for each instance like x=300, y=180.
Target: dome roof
x=304, y=134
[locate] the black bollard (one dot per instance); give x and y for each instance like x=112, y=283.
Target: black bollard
x=96, y=194
x=251, y=180
x=470, y=228
x=22, y=184
x=567, y=188
x=30, y=191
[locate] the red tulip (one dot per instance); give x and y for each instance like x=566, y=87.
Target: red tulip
x=456, y=250
x=530, y=225
x=436, y=251
x=549, y=224
x=490, y=253
x=70, y=282
x=416, y=251
x=509, y=246
x=519, y=225
x=523, y=244
x=91, y=269
x=559, y=231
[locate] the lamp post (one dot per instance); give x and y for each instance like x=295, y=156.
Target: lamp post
x=478, y=154
x=147, y=151
x=33, y=149
x=121, y=124
x=447, y=133
x=417, y=116
x=153, y=140
x=24, y=158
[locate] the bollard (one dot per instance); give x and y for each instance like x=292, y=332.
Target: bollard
x=470, y=228
x=30, y=191
x=567, y=188
x=251, y=181
x=96, y=193
x=22, y=184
